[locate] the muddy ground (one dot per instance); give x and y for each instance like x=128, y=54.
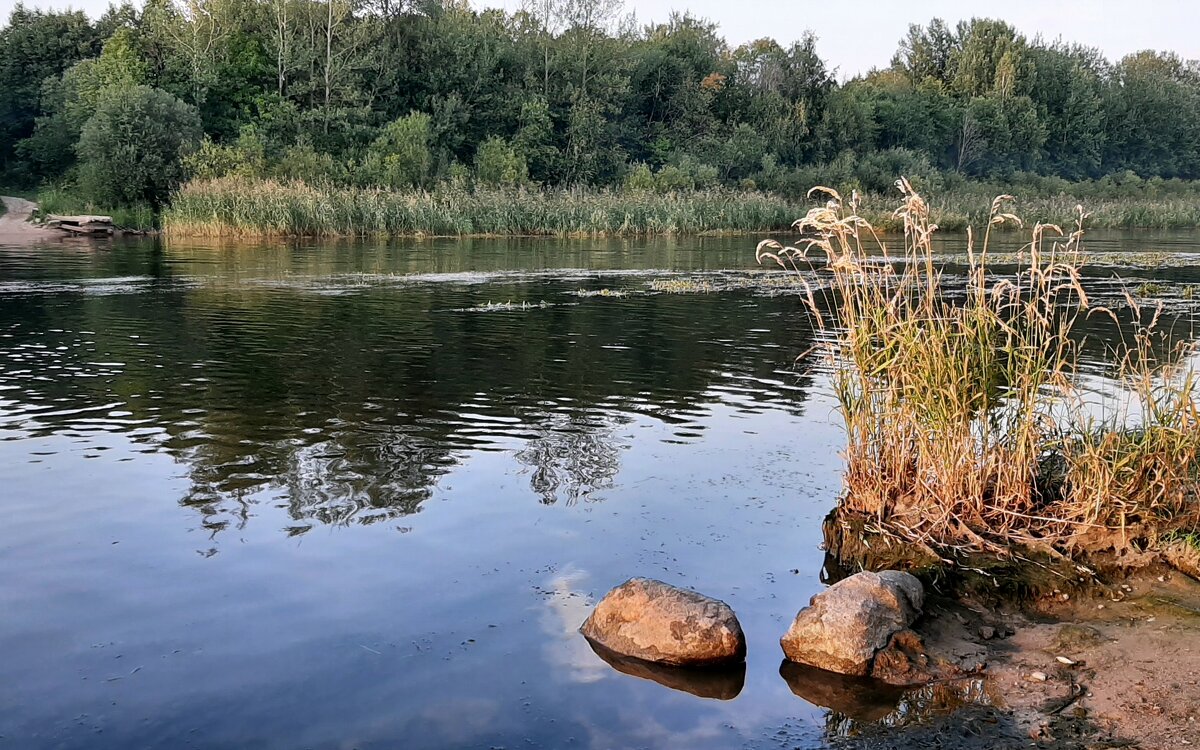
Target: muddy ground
x=1117, y=668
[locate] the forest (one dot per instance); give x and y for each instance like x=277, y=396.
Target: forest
x=564, y=95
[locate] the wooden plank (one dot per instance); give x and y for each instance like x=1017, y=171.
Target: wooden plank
x=92, y=229
x=83, y=219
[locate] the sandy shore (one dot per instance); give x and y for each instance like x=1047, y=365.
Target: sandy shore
x=15, y=227
x=1117, y=668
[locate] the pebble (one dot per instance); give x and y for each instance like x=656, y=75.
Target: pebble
x=1039, y=676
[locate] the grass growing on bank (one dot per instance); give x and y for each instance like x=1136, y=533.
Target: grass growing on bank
x=246, y=207
x=966, y=208
x=965, y=424
x=231, y=207
x=55, y=199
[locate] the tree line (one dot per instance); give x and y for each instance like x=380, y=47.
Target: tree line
x=412, y=93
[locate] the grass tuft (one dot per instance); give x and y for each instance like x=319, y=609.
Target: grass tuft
x=967, y=426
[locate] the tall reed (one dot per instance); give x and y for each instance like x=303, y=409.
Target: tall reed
x=964, y=422
x=264, y=208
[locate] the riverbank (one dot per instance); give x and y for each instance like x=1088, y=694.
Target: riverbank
x=248, y=208
x=15, y=225
x=1119, y=667
x=234, y=207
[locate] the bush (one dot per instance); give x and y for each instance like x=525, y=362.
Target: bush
x=246, y=157
x=303, y=162
x=401, y=156
x=132, y=149
x=497, y=164
x=640, y=179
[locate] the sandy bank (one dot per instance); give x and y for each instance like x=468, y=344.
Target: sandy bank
x=15, y=227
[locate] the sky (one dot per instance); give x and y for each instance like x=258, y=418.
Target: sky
x=856, y=36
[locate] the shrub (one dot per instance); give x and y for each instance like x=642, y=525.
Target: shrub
x=246, y=157
x=401, y=156
x=132, y=149
x=497, y=164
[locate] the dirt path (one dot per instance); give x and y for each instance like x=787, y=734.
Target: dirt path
x=14, y=223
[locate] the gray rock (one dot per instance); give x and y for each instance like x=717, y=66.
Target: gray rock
x=657, y=622
x=845, y=625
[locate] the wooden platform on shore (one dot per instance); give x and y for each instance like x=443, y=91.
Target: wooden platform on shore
x=97, y=225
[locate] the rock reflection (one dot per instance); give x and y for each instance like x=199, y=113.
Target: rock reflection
x=857, y=698
x=856, y=703
x=719, y=683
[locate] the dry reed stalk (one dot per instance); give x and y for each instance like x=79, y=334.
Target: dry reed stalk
x=952, y=400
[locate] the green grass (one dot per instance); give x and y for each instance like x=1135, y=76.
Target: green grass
x=56, y=199
x=262, y=208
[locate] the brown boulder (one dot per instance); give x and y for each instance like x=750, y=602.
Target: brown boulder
x=847, y=624
x=656, y=622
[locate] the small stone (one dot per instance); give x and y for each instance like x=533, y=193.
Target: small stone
x=1065, y=660
x=1038, y=676
x=987, y=632
x=654, y=621
x=847, y=624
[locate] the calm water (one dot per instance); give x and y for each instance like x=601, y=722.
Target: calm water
x=362, y=496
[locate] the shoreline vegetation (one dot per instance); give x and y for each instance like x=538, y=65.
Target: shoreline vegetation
x=968, y=431
x=233, y=207
x=267, y=208
x=349, y=118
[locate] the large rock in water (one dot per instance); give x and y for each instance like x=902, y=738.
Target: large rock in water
x=845, y=625
x=654, y=621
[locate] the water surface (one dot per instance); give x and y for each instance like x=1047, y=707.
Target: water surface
x=362, y=495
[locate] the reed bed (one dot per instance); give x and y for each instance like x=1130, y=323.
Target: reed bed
x=966, y=424
x=962, y=209
x=262, y=208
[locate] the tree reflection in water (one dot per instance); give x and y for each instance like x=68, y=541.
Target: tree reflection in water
x=572, y=458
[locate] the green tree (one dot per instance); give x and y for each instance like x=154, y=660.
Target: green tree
x=69, y=101
x=402, y=156
x=36, y=45
x=497, y=163
x=132, y=149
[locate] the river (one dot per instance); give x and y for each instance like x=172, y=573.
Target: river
x=362, y=495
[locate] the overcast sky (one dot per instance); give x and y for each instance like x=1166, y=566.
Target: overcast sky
x=855, y=36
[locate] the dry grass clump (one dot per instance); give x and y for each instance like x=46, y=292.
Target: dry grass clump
x=966, y=426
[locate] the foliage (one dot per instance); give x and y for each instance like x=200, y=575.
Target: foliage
x=132, y=149
x=363, y=93
x=401, y=155
x=497, y=164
